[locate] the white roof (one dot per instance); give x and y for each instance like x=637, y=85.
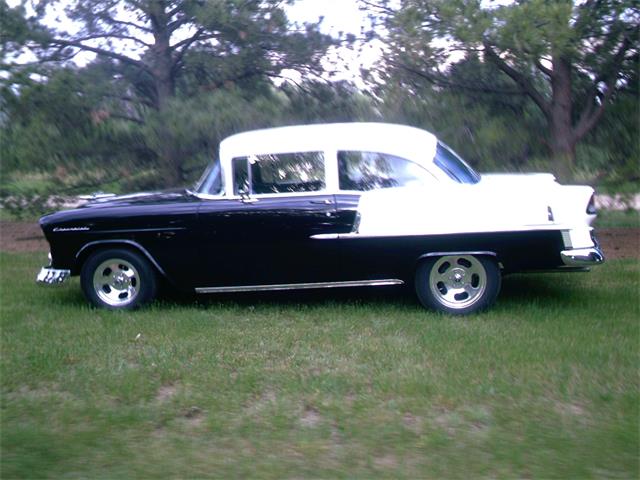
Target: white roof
x=400, y=140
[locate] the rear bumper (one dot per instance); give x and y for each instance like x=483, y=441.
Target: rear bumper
x=52, y=276
x=582, y=257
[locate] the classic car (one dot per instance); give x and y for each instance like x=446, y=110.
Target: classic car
x=324, y=206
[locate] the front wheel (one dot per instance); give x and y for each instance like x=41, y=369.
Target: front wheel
x=118, y=279
x=458, y=284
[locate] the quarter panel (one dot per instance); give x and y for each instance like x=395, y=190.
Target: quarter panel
x=369, y=258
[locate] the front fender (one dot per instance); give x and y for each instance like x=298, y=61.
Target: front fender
x=91, y=247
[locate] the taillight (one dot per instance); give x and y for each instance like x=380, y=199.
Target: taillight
x=591, y=207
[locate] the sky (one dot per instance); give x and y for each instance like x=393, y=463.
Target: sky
x=339, y=17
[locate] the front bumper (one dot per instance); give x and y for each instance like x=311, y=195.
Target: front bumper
x=582, y=257
x=52, y=276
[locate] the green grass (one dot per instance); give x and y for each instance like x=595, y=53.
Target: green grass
x=617, y=219
x=353, y=384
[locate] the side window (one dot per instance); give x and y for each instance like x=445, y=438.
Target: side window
x=370, y=170
x=279, y=173
x=240, y=176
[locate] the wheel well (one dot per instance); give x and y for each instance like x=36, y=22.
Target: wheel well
x=85, y=252
x=484, y=253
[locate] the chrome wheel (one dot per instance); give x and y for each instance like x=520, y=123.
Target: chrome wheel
x=116, y=282
x=457, y=281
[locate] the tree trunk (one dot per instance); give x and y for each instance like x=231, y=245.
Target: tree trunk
x=164, y=84
x=563, y=141
x=168, y=154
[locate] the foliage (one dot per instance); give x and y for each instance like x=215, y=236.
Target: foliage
x=318, y=101
x=101, y=124
x=475, y=129
x=569, y=59
x=152, y=52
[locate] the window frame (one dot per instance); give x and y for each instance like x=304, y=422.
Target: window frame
x=325, y=176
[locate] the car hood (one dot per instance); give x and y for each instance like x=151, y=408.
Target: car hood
x=125, y=208
x=140, y=198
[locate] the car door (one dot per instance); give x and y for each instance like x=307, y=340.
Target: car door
x=262, y=235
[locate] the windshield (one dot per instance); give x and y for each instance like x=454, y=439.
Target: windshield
x=454, y=166
x=211, y=181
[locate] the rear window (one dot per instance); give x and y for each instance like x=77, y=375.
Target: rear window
x=363, y=171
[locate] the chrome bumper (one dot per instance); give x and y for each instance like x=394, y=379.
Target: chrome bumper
x=52, y=276
x=582, y=257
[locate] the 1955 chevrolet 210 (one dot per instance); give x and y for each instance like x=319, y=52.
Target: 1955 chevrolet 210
x=323, y=206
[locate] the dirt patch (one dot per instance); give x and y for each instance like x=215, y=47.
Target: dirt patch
x=619, y=242
x=166, y=393
x=385, y=462
x=310, y=417
x=22, y=237
x=193, y=416
x=27, y=237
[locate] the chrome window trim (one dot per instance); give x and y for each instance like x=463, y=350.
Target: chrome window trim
x=300, y=286
x=206, y=196
x=259, y=196
x=326, y=169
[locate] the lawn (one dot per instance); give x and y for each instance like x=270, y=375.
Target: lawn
x=352, y=384
x=617, y=219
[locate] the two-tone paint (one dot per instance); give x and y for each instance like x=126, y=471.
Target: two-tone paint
x=201, y=244
x=226, y=242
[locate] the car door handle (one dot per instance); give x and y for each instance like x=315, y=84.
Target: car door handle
x=326, y=201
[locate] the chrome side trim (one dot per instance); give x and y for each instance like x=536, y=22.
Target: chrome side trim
x=327, y=236
x=582, y=257
x=141, y=230
x=116, y=241
x=442, y=254
x=52, y=276
x=300, y=286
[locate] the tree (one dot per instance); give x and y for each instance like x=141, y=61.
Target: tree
x=315, y=101
x=160, y=49
x=475, y=129
x=570, y=59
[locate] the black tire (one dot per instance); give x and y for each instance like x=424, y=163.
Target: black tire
x=458, y=284
x=118, y=279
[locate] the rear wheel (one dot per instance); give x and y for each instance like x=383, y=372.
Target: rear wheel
x=118, y=279
x=458, y=284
